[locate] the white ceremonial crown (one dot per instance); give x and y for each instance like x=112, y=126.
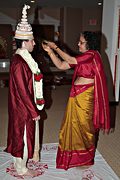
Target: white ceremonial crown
x=24, y=30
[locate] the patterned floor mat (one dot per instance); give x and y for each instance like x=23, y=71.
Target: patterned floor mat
x=46, y=168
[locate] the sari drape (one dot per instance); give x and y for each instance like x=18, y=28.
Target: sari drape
x=76, y=137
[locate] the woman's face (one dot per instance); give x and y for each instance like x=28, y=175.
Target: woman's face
x=82, y=44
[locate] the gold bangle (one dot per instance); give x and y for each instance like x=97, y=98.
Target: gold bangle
x=50, y=53
x=56, y=47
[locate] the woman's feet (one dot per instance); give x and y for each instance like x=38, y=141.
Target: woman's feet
x=83, y=167
x=31, y=173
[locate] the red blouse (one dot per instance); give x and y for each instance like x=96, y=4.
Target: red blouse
x=85, y=65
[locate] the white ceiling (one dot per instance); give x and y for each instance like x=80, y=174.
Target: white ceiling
x=50, y=3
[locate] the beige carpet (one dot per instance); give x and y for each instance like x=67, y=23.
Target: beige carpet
x=108, y=146
x=47, y=168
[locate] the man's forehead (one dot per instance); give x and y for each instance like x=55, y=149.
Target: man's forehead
x=30, y=40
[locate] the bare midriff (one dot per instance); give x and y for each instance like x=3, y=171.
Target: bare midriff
x=82, y=80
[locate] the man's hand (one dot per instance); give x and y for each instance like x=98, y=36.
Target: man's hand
x=37, y=118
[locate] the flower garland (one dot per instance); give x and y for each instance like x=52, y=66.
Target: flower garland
x=37, y=77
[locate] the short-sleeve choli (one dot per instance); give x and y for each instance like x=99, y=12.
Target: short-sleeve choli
x=85, y=65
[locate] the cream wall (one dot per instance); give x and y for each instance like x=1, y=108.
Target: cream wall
x=110, y=24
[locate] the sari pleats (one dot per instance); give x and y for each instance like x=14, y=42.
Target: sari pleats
x=77, y=135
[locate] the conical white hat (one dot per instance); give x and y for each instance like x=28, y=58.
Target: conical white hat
x=24, y=30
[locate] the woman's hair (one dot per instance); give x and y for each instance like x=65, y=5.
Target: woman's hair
x=92, y=40
x=19, y=42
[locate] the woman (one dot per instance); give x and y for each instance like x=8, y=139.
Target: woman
x=88, y=105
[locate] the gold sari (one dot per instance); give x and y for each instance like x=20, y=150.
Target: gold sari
x=77, y=135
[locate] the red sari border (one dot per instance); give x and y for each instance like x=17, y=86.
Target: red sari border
x=67, y=159
x=79, y=88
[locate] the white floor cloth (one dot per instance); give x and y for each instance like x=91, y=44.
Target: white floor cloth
x=99, y=171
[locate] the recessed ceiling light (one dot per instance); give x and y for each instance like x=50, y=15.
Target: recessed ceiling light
x=99, y=4
x=32, y=1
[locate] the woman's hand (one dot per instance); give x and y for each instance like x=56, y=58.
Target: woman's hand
x=52, y=45
x=47, y=48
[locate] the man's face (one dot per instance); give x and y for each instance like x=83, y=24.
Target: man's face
x=29, y=45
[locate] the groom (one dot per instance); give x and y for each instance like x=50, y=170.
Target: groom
x=25, y=99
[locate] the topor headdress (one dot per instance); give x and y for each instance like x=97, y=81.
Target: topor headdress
x=24, y=30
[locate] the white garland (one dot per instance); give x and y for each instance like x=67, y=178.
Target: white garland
x=29, y=60
x=37, y=86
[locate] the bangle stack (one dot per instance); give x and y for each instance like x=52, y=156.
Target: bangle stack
x=56, y=47
x=50, y=53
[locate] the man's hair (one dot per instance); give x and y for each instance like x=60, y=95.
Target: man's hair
x=92, y=40
x=19, y=42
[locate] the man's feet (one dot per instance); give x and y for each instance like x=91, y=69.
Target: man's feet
x=36, y=156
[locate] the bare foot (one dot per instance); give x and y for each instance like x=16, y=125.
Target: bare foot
x=83, y=167
x=36, y=156
x=31, y=173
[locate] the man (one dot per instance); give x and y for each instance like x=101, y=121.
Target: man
x=25, y=99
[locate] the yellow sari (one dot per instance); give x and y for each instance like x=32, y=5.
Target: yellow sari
x=77, y=134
